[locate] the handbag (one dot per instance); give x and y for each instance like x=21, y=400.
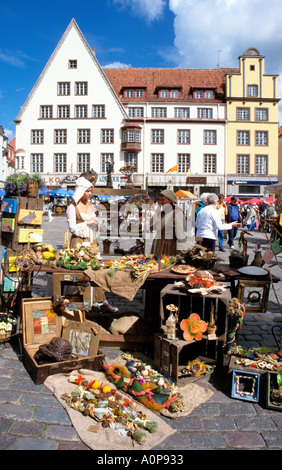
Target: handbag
x=275, y=246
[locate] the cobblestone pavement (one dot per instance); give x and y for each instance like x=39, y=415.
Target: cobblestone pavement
x=32, y=419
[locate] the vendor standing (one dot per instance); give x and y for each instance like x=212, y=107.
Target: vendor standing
x=83, y=225
x=81, y=217
x=208, y=223
x=170, y=225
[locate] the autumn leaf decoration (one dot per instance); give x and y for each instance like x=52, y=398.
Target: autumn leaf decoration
x=193, y=327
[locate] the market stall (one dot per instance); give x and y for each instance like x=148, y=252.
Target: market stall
x=193, y=306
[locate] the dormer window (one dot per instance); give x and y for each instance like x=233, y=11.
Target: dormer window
x=133, y=92
x=168, y=93
x=203, y=94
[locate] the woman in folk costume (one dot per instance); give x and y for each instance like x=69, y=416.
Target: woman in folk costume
x=170, y=224
x=82, y=221
x=83, y=226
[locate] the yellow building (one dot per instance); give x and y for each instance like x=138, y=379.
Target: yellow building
x=252, y=127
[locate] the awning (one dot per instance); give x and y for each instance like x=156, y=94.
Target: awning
x=182, y=193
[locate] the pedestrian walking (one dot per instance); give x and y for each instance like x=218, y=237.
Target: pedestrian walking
x=233, y=215
x=50, y=208
x=221, y=206
x=208, y=223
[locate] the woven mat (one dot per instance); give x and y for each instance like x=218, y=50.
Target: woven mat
x=104, y=438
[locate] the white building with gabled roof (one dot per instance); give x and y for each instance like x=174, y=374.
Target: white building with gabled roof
x=72, y=117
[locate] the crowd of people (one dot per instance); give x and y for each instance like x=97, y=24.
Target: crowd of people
x=213, y=216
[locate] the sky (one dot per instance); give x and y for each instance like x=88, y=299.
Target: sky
x=197, y=34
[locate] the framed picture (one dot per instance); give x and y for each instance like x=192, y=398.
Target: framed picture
x=11, y=263
x=7, y=225
x=9, y=205
x=40, y=322
x=30, y=217
x=34, y=235
x=10, y=284
x=84, y=337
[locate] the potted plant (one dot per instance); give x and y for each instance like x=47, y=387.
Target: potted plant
x=22, y=184
x=106, y=246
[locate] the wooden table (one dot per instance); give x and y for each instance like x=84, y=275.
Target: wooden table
x=156, y=281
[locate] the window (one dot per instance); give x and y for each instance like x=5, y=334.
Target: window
x=104, y=158
x=136, y=111
x=37, y=136
x=261, y=138
x=107, y=136
x=157, y=163
x=199, y=94
x=182, y=113
x=131, y=135
x=210, y=163
x=83, y=136
x=83, y=162
x=72, y=64
x=81, y=111
x=60, y=162
x=157, y=136
x=209, y=94
x=81, y=88
x=158, y=112
x=243, y=137
x=210, y=137
x=139, y=93
x=261, y=114
x=168, y=93
x=46, y=112
x=183, y=136
x=261, y=164
x=243, y=114
x=243, y=164
x=98, y=111
x=252, y=90
x=205, y=113
x=60, y=136
x=20, y=162
x=64, y=88
x=183, y=162
x=130, y=159
x=36, y=163
x=174, y=93
x=63, y=111
x=134, y=93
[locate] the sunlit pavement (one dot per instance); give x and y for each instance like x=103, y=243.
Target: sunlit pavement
x=32, y=419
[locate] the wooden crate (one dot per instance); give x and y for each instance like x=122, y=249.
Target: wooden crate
x=172, y=355
x=254, y=295
x=42, y=331
x=61, y=281
x=201, y=305
x=28, y=204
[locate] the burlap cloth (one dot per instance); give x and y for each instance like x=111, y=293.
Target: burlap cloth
x=120, y=283
x=104, y=438
x=193, y=395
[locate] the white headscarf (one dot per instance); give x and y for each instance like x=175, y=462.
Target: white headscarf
x=82, y=184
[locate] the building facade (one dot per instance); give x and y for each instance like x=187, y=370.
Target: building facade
x=252, y=126
x=172, y=125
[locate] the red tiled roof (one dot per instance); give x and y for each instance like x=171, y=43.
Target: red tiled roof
x=185, y=79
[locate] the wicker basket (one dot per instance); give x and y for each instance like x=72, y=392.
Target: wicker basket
x=32, y=189
x=5, y=335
